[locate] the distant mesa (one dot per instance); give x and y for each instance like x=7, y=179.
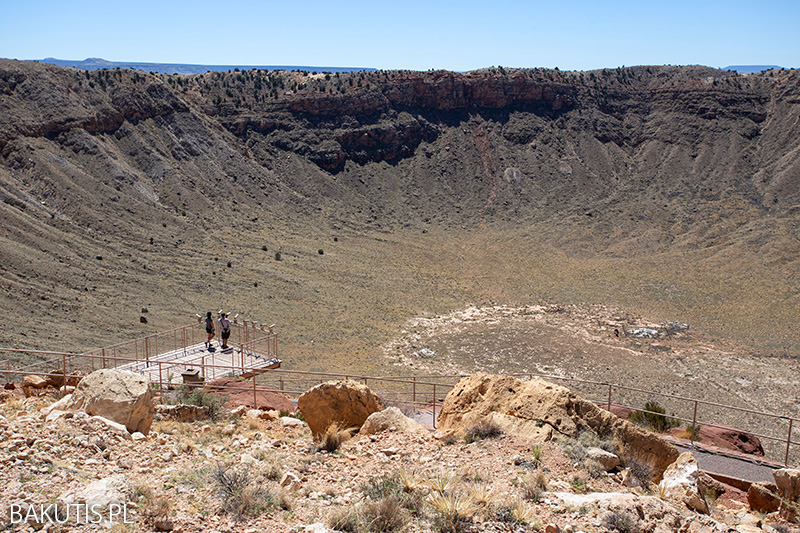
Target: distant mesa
x=96, y=63
x=750, y=69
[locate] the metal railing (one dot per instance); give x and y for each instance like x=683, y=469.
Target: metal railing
x=424, y=395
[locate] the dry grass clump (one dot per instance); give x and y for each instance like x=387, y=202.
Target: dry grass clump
x=451, y=509
x=383, y=516
x=483, y=429
x=244, y=492
x=640, y=468
x=153, y=508
x=533, y=486
x=333, y=438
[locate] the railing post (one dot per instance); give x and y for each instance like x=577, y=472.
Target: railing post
x=241, y=353
x=434, y=406
x=694, y=422
x=788, y=443
x=414, y=391
x=609, y=397
x=64, y=368
x=255, y=403
x=160, y=379
x=281, y=382
x=203, y=366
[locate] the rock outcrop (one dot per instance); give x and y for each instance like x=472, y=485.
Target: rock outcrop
x=121, y=396
x=344, y=402
x=391, y=419
x=541, y=410
x=761, y=497
x=239, y=392
x=788, y=482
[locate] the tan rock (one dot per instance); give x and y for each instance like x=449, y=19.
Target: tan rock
x=681, y=475
x=116, y=489
x=122, y=396
x=640, y=513
x=114, y=427
x=761, y=497
x=695, y=501
x=254, y=413
x=36, y=382
x=391, y=419
x=290, y=481
x=609, y=460
x=343, y=402
x=539, y=410
x=788, y=482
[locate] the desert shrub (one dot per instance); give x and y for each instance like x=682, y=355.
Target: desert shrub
x=197, y=396
x=483, y=429
x=449, y=440
x=451, y=511
x=332, y=439
x=536, y=449
x=346, y=519
x=579, y=484
x=382, y=516
x=576, y=452
x=240, y=495
x=623, y=522
x=382, y=486
x=594, y=468
x=641, y=469
x=385, y=515
x=152, y=507
x=690, y=432
x=533, y=486
x=656, y=419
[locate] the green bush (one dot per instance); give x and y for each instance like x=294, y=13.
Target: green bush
x=197, y=396
x=656, y=419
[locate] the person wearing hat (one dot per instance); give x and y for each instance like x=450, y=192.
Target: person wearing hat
x=224, y=329
x=209, y=329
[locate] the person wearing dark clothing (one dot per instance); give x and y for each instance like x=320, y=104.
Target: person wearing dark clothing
x=209, y=329
x=225, y=330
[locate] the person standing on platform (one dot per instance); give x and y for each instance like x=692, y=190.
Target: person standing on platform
x=209, y=329
x=224, y=329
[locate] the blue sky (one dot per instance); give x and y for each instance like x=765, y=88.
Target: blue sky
x=414, y=34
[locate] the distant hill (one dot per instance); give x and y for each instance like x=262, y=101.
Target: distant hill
x=749, y=69
x=96, y=63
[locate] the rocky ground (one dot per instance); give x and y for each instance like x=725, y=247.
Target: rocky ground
x=579, y=342
x=277, y=481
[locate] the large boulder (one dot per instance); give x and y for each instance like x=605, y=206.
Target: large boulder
x=119, y=395
x=391, y=419
x=788, y=482
x=344, y=402
x=728, y=437
x=542, y=410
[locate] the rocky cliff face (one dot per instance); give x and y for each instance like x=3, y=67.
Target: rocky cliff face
x=704, y=131
x=622, y=162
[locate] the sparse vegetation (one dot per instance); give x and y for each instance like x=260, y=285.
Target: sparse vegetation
x=533, y=486
x=484, y=429
x=654, y=417
x=197, y=396
x=240, y=494
x=334, y=436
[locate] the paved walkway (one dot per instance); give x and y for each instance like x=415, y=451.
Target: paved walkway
x=731, y=466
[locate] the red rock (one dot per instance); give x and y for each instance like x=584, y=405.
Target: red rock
x=241, y=393
x=731, y=438
x=761, y=497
